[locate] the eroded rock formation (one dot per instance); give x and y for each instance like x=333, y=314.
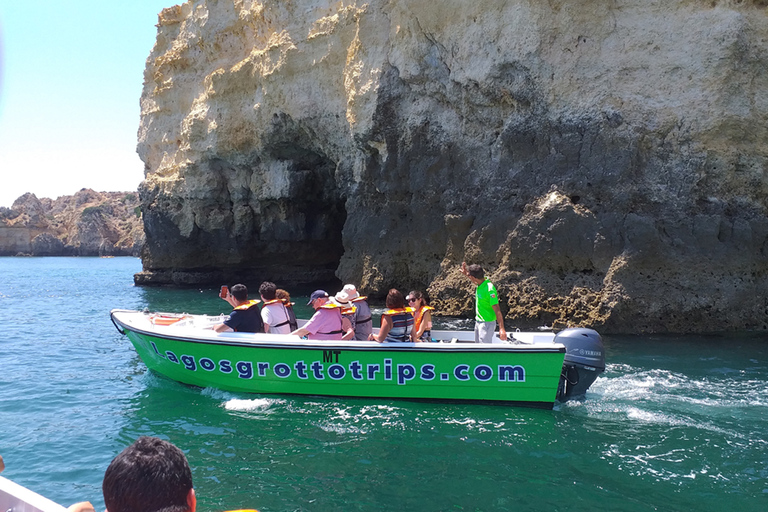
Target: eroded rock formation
x=605, y=162
x=88, y=223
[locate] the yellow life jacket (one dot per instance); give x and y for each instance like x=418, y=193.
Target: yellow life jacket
x=399, y=311
x=247, y=305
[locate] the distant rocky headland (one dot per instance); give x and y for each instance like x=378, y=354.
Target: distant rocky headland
x=88, y=223
x=606, y=162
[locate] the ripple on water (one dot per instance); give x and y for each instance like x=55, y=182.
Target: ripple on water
x=672, y=427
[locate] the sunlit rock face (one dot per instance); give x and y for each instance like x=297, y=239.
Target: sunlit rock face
x=88, y=223
x=606, y=163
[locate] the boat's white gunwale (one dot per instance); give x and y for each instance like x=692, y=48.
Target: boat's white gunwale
x=370, y=346
x=17, y=497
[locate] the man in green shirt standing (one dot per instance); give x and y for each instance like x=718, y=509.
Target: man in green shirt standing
x=487, y=310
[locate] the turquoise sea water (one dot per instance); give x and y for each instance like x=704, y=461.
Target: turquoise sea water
x=675, y=423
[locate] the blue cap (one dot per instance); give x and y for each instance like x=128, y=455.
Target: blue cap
x=317, y=294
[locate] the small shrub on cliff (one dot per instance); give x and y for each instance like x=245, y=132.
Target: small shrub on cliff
x=93, y=211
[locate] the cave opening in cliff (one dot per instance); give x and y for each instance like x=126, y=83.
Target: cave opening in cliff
x=319, y=201
x=324, y=231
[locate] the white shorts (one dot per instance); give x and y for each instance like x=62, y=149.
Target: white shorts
x=484, y=331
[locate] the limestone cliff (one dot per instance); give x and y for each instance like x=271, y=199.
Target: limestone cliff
x=89, y=223
x=606, y=162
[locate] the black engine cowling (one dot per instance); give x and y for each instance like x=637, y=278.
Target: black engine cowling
x=584, y=361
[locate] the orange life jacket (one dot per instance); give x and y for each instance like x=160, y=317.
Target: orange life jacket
x=419, y=316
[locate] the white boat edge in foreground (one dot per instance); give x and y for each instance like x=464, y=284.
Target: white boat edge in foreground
x=17, y=498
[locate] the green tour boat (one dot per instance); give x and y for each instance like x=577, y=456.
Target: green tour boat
x=531, y=368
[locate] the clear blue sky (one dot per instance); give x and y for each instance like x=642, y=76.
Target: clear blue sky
x=71, y=74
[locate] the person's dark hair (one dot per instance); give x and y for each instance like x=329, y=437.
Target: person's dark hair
x=416, y=294
x=240, y=292
x=476, y=271
x=148, y=476
x=395, y=299
x=267, y=290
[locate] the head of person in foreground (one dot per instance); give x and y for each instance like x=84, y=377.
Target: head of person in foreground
x=151, y=475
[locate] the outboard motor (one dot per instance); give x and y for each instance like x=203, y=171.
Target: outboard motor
x=584, y=361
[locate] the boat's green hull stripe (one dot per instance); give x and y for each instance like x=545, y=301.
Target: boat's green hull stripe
x=498, y=376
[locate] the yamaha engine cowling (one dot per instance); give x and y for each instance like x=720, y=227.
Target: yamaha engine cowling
x=584, y=361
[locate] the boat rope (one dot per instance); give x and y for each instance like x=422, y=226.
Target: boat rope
x=115, y=324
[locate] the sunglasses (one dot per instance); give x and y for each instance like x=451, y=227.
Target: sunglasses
x=411, y=300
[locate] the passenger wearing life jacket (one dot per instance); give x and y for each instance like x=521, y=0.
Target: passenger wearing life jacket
x=362, y=321
x=347, y=315
x=396, y=322
x=422, y=316
x=245, y=316
x=286, y=298
x=274, y=312
x=327, y=322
